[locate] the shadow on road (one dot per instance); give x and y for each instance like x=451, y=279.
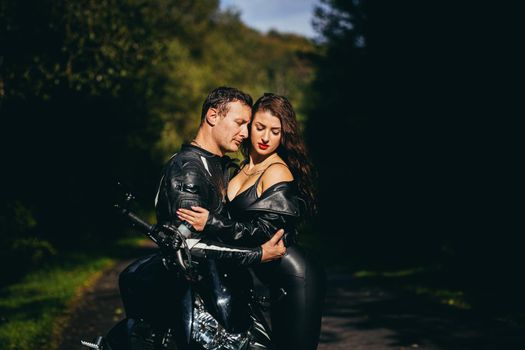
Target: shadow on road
x=362, y=315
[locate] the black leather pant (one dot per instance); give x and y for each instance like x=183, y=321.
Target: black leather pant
x=295, y=316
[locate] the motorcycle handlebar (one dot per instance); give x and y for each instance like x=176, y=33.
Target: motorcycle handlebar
x=139, y=222
x=152, y=231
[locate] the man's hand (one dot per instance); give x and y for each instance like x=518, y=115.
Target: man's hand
x=274, y=249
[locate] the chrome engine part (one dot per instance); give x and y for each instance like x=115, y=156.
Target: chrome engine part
x=212, y=336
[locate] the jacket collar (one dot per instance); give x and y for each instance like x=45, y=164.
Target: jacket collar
x=225, y=161
x=199, y=151
x=280, y=198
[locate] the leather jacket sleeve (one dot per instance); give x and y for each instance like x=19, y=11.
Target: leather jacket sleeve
x=277, y=208
x=186, y=185
x=219, y=251
x=259, y=229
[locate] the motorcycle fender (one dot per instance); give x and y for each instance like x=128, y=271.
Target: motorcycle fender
x=118, y=337
x=187, y=314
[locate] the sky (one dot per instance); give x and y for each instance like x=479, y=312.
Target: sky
x=289, y=16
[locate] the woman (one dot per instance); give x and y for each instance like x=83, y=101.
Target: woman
x=263, y=197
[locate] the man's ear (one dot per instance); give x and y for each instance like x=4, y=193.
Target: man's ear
x=212, y=116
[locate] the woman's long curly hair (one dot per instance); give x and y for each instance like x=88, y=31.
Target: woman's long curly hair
x=292, y=148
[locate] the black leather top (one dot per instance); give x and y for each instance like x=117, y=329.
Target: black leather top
x=243, y=200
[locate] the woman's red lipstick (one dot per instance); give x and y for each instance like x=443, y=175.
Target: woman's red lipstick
x=263, y=146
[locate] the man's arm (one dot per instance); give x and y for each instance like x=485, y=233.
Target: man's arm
x=187, y=186
x=271, y=250
x=277, y=207
x=258, y=228
x=280, y=209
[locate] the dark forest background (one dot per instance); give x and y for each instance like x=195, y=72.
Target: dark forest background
x=402, y=107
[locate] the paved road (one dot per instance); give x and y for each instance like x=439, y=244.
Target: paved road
x=356, y=317
x=360, y=316
x=99, y=310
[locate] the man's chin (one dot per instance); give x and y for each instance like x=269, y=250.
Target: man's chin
x=231, y=148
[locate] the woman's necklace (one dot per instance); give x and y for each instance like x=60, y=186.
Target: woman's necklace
x=259, y=168
x=252, y=173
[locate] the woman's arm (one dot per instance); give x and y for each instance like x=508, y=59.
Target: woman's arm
x=187, y=187
x=271, y=215
x=253, y=232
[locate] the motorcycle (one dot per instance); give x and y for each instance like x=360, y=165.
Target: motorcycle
x=175, y=302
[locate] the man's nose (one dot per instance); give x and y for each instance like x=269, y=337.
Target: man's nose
x=244, y=131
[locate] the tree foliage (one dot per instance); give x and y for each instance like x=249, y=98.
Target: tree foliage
x=99, y=90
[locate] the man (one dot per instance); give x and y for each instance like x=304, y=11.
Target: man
x=197, y=176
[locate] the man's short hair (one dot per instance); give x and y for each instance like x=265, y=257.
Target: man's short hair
x=221, y=96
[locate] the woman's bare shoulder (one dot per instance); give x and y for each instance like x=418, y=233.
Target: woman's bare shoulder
x=275, y=173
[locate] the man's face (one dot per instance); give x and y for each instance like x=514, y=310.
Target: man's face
x=231, y=129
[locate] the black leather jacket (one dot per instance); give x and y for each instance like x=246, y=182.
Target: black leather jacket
x=278, y=207
x=196, y=177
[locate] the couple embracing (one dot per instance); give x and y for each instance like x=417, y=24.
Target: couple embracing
x=252, y=216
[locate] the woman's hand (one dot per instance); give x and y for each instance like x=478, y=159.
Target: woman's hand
x=197, y=217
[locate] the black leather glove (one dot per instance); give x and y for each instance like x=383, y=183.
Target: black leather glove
x=168, y=238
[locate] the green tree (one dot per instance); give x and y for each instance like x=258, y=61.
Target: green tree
x=78, y=86
x=94, y=91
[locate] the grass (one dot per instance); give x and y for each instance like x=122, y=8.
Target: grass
x=33, y=311
x=454, y=298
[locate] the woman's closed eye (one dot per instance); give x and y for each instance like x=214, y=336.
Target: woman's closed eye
x=274, y=131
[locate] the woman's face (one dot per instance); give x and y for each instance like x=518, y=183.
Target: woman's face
x=265, y=133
